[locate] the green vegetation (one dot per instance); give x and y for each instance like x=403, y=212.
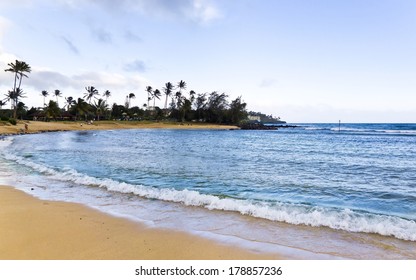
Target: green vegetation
x=6, y=120
x=184, y=106
x=19, y=68
x=13, y=121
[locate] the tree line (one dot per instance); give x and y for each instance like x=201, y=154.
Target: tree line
x=179, y=105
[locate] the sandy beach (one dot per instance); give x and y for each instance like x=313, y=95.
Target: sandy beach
x=38, y=126
x=37, y=229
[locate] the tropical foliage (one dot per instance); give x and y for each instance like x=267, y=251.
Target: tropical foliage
x=44, y=94
x=52, y=111
x=184, y=106
x=91, y=93
x=57, y=94
x=19, y=68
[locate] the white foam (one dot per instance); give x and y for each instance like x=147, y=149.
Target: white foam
x=363, y=130
x=315, y=128
x=6, y=141
x=315, y=216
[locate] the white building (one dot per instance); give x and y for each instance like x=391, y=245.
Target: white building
x=254, y=118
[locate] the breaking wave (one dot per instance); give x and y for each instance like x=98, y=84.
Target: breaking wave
x=298, y=214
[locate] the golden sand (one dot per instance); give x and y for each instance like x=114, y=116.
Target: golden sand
x=38, y=126
x=36, y=229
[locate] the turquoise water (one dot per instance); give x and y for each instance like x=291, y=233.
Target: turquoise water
x=316, y=181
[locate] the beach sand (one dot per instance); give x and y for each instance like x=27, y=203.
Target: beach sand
x=38, y=126
x=43, y=230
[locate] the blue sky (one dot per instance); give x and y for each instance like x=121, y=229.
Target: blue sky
x=302, y=60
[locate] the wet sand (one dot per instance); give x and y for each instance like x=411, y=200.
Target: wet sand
x=43, y=230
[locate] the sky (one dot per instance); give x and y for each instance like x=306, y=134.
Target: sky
x=301, y=60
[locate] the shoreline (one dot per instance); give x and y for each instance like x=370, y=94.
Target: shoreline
x=43, y=230
x=40, y=127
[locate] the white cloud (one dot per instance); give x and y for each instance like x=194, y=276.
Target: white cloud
x=49, y=80
x=102, y=80
x=71, y=85
x=45, y=79
x=204, y=11
x=201, y=11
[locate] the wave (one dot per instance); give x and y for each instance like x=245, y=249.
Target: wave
x=317, y=128
x=5, y=141
x=407, y=132
x=298, y=214
x=363, y=130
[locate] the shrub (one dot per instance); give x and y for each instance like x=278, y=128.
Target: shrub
x=5, y=119
x=13, y=121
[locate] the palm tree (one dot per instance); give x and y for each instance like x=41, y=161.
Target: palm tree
x=91, y=93
x=178, y=97
x=149, y=94
x=9, y=97
x=2, y=103
x=127, y=102
x=131, y=96
x=19, y=68
x=100, y=107
x=200, y=103
x=69, y=101
x=192, y=96
x=45, y=94
x=81, y=108
x=106, y=94
x=168, y=91
x=52, y=110
x=57, y=94
x=181, y=86
x=156, y=94
x=21, y=109
x=13, y=96
x=185, y=108
x=150, y=97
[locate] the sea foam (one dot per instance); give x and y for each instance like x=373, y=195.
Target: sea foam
x=292, y=213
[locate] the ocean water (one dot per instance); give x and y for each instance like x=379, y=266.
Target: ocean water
x=316, y=191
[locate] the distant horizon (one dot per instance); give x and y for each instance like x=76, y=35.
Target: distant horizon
x=295, y=60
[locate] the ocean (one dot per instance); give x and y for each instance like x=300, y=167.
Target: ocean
x=315, y=191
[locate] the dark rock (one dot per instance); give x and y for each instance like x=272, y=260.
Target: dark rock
x=257, y=126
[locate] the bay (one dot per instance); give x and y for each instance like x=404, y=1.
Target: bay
x=266, y=190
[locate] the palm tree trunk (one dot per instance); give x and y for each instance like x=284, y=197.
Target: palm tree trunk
x=20, y=80
x=14, y=101
x=15, y=79
x=15, y=109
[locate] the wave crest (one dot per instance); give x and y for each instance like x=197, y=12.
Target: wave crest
x=298, y=214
